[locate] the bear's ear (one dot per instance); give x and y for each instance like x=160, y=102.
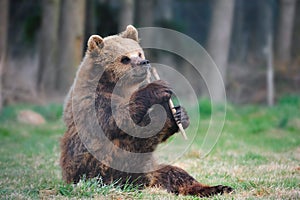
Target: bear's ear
x=95, y=42
x=130, y=33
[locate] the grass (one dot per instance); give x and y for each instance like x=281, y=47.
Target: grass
x=258, y=154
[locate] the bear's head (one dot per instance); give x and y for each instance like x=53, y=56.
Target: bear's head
x=121, y=58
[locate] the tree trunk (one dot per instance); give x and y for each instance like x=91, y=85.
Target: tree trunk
x=166, y=11
x=270, y=72
x=90, y=21
x=126, y=14
x=4, y=6
x=285, y=30
x=48, y=50
x=218, y=45
x=268, y=24
x=166, y=15
x=70, y=42
x=144, y=12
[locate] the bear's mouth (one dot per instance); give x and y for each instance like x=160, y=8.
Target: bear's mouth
x=140, y=72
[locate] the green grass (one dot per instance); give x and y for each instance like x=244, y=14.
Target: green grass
x=258, y=154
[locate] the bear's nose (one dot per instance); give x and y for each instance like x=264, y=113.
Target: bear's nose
x=144, y=62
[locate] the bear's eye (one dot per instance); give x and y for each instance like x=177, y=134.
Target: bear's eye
x=140, y=54
x=125, y=60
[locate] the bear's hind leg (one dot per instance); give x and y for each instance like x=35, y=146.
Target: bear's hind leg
x=200, y=190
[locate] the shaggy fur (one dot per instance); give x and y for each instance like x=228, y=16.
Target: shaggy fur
x=105, y=62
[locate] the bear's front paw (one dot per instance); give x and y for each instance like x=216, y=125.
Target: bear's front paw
x=181, y=116
x=159, y=91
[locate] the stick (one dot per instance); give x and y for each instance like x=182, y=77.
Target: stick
x=171, y=105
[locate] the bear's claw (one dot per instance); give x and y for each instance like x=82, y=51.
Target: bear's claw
x=181, y=116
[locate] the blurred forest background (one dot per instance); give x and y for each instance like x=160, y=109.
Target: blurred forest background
x=256, y=43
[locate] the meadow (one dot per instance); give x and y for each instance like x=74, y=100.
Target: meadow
x=258, y=154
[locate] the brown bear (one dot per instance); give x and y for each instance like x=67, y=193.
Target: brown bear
x=111, y=153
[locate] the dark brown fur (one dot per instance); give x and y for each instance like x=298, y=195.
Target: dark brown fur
x=76, y=161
